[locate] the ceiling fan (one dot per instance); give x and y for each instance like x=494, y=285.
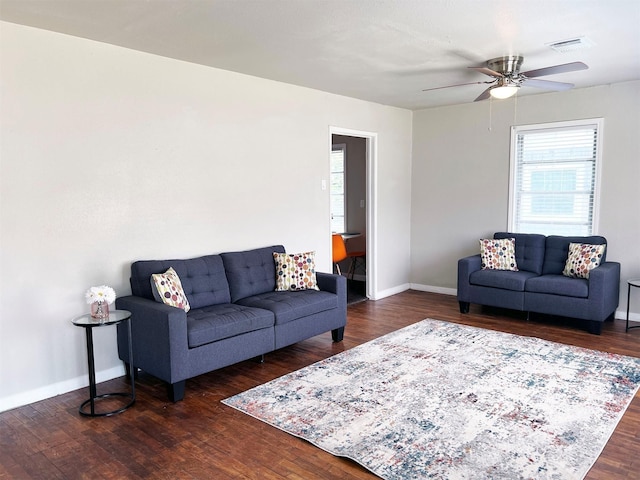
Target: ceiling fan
x=507, y=78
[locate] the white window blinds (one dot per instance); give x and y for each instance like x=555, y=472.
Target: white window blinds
x=554, y=173
x=338, y=188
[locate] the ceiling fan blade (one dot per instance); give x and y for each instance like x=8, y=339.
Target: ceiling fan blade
x=487, y=71
x=484, y=95
x=564, y=68
x=548, y=85
x=456, y=85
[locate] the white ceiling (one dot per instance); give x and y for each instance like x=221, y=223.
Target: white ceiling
x=384, y=51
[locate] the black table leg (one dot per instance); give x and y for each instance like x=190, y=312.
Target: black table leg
x=92, y=371
x=93, y=394
x=132, y=369
x=628, y=299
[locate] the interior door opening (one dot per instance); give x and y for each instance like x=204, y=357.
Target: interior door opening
x=352, y=207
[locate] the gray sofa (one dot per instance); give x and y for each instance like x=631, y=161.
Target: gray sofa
x=539, y=285
x=235, y=315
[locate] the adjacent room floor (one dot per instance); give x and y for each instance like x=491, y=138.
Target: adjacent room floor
x=356, y=291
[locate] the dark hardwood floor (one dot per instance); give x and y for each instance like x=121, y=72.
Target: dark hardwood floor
x=199, y=438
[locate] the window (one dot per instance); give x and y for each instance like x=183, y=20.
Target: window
x=338, y=188
x=554, y=178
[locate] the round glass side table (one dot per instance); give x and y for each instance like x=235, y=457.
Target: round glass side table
x=631, y=283
x=89, y=323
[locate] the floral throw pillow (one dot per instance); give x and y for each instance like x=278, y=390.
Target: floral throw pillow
x=167, y=289
x=498, y=254
x=583, y=258
x=295, y=271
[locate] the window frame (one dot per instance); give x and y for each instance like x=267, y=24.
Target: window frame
x=517, y=130
x=343, y=148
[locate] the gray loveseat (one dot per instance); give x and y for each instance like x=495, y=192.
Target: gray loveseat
x=539, y=285
x=235, y=314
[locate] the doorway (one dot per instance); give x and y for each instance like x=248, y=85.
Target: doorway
x=359, y=202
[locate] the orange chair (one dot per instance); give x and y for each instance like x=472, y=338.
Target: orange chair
x=339, y=250
x=340, y=253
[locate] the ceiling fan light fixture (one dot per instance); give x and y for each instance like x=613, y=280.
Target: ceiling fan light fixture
x=506, y=78
x=503, y=92
x=505, y=88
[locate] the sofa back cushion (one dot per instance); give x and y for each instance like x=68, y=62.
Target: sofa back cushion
x=203, y=279
x=557, y=251
x=529, y=250
x=251, y=272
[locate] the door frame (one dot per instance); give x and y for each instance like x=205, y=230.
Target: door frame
x=371, y=200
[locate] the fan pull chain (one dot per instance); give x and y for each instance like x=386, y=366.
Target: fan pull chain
x=490, y=111
x=515, y=109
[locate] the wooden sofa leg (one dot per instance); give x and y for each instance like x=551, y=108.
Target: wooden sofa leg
x=594, y=327
x=259, y=358
x=176, y=391
x=464, y=307
x=338, y=334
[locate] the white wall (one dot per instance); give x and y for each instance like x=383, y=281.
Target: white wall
x=110, y=155
x=460, y=177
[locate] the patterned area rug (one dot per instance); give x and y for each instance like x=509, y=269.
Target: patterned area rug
x=440, y=400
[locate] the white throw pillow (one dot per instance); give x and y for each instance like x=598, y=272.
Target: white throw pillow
x=498, y=254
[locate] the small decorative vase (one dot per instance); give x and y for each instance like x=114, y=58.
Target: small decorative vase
x=100, y=310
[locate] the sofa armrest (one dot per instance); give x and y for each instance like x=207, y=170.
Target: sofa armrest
x=337, y=284
x=466, y=266
x=604, y=288
x=470, y=264
x=159, y=338
x=330, y=282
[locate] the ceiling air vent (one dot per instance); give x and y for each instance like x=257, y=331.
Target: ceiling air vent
x=571, y=45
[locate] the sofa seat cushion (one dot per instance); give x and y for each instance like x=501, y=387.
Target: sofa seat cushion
x=217, y=322
x=559, y=285
x=293, y=305
x=505, y=279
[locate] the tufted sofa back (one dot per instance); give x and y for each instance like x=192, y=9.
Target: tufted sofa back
x=529, y=250
x=203, y=279
x=557, y=251
x=251, y=272
x=546, y=255
x=213, y=279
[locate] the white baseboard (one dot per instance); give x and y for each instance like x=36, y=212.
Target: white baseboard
x=414, y=286
x=48, y=391
x=432, y=289
x=391, y=291
x=622, y=315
